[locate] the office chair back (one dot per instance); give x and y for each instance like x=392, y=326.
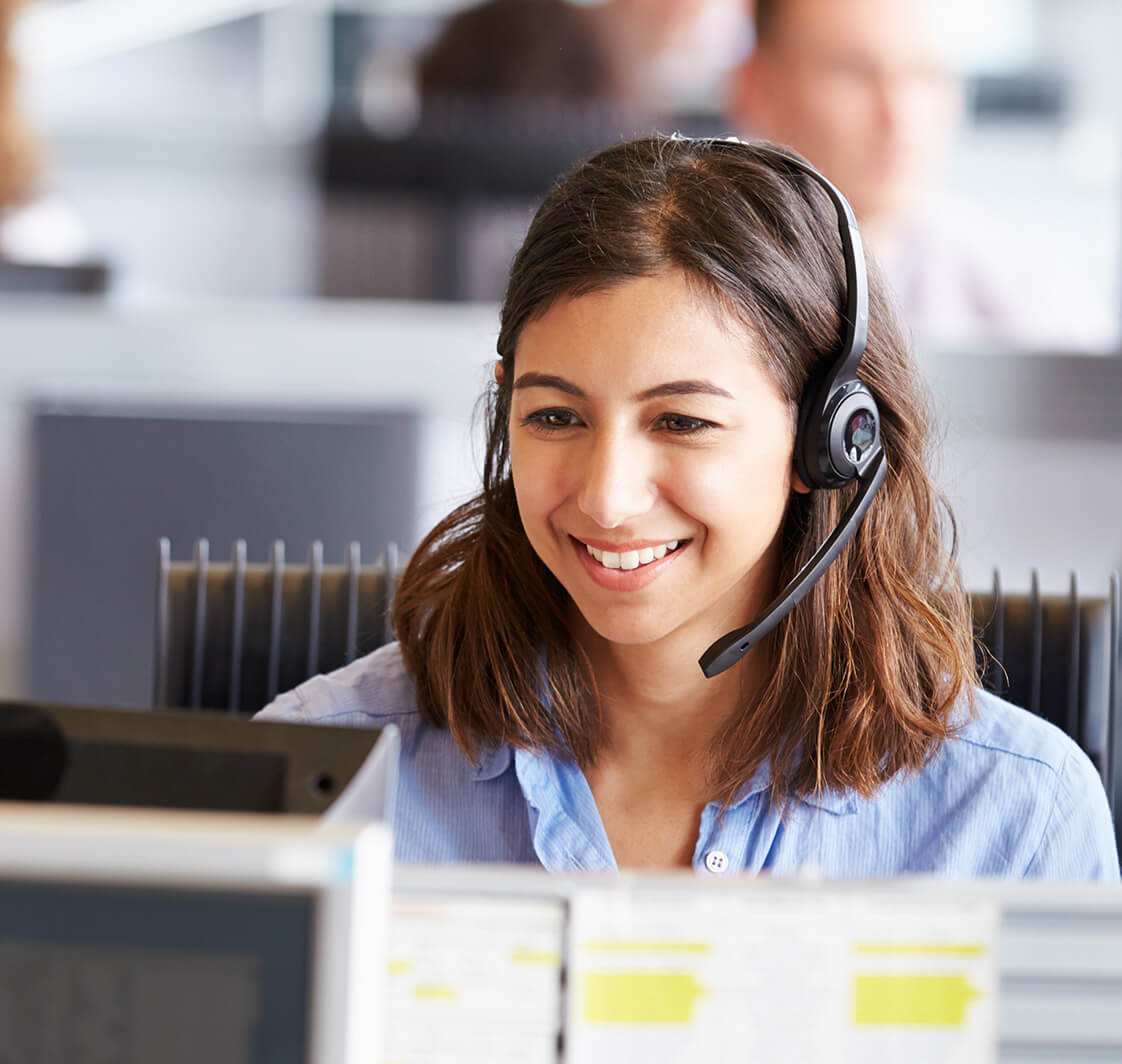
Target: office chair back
x=231, y=635
x=1060, y=657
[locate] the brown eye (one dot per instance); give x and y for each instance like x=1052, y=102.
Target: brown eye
x=551, y=418
x=683, y=425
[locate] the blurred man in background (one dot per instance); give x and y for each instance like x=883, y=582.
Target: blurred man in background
x=864, y=91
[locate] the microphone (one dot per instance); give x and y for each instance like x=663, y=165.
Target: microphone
x=729, y=649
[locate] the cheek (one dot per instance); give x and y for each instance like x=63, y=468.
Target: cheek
x=744, y=492
x=535, y=486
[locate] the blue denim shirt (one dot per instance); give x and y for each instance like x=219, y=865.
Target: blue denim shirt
x=1010, y=795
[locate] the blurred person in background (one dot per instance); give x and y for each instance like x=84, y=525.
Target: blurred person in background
x=511, y=50
x=553, y=80
x=624, y=55
x=863, y=90
x=35, y=226
x=670, y=54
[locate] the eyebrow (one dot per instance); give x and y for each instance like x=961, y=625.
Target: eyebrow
x=659, y=391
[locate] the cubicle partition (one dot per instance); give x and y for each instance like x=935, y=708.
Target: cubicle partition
x=109, y=480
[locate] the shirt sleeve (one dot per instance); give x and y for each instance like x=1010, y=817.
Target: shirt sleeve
x=292, y=708
x=288, y=707
x=1078, y=841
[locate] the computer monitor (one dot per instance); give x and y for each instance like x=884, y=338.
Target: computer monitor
x=129, y=935
x=168, y=759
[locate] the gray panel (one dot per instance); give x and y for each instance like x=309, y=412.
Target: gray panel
x=107, y=482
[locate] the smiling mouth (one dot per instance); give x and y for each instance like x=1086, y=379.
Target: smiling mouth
x=633, y=559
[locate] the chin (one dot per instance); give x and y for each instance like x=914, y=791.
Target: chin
x=633, y=632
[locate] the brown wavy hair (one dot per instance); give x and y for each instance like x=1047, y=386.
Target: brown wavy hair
x=868, y=669
x=20, y=159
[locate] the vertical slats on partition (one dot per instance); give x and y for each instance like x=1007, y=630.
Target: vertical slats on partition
x=1075, y=725
x=1114, y=704
x=163, y=623
x=997, y=637
x=315, y=585
x=276, y=616
x=1037, y=647
x=237, y=628
x=198, y=642
x=392, y=563
x=353, y=564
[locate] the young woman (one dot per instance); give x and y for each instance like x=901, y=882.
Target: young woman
x=655, y=481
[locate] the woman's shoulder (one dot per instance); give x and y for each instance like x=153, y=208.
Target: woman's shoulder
x=368, y=693
x=1008, y=795
x=1021, y=786
x=999, y=743
x=1001, y=730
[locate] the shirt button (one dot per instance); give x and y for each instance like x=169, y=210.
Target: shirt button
x=716, y=862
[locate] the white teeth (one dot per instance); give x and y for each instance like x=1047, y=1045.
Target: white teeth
x=631, y=559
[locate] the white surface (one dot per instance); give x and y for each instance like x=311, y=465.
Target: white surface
x=50, y=36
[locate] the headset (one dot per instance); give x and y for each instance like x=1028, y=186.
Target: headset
x=838, y=435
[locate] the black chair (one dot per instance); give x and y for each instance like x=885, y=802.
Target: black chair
x=231, y=635
x=1059, y=656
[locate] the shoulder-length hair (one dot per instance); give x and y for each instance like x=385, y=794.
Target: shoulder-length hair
x=20, y=160
x=868, y=669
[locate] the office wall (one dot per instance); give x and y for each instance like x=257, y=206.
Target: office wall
x=433, y=360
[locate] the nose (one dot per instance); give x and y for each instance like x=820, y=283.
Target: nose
x=617, y=480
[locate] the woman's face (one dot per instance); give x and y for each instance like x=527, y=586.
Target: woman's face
x=651, y=456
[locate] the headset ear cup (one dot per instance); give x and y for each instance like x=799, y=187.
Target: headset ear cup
x=838, y=436
x=853, y=433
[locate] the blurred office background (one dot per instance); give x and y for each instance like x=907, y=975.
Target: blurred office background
x=284, y=228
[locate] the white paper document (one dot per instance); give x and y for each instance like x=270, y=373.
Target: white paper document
x=474, y=980
x=774, y=975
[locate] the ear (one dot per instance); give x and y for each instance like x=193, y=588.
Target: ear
x=499, y=372
x=797, y=484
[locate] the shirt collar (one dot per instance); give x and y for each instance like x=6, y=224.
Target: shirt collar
x=839, y=803
x=493, y=762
